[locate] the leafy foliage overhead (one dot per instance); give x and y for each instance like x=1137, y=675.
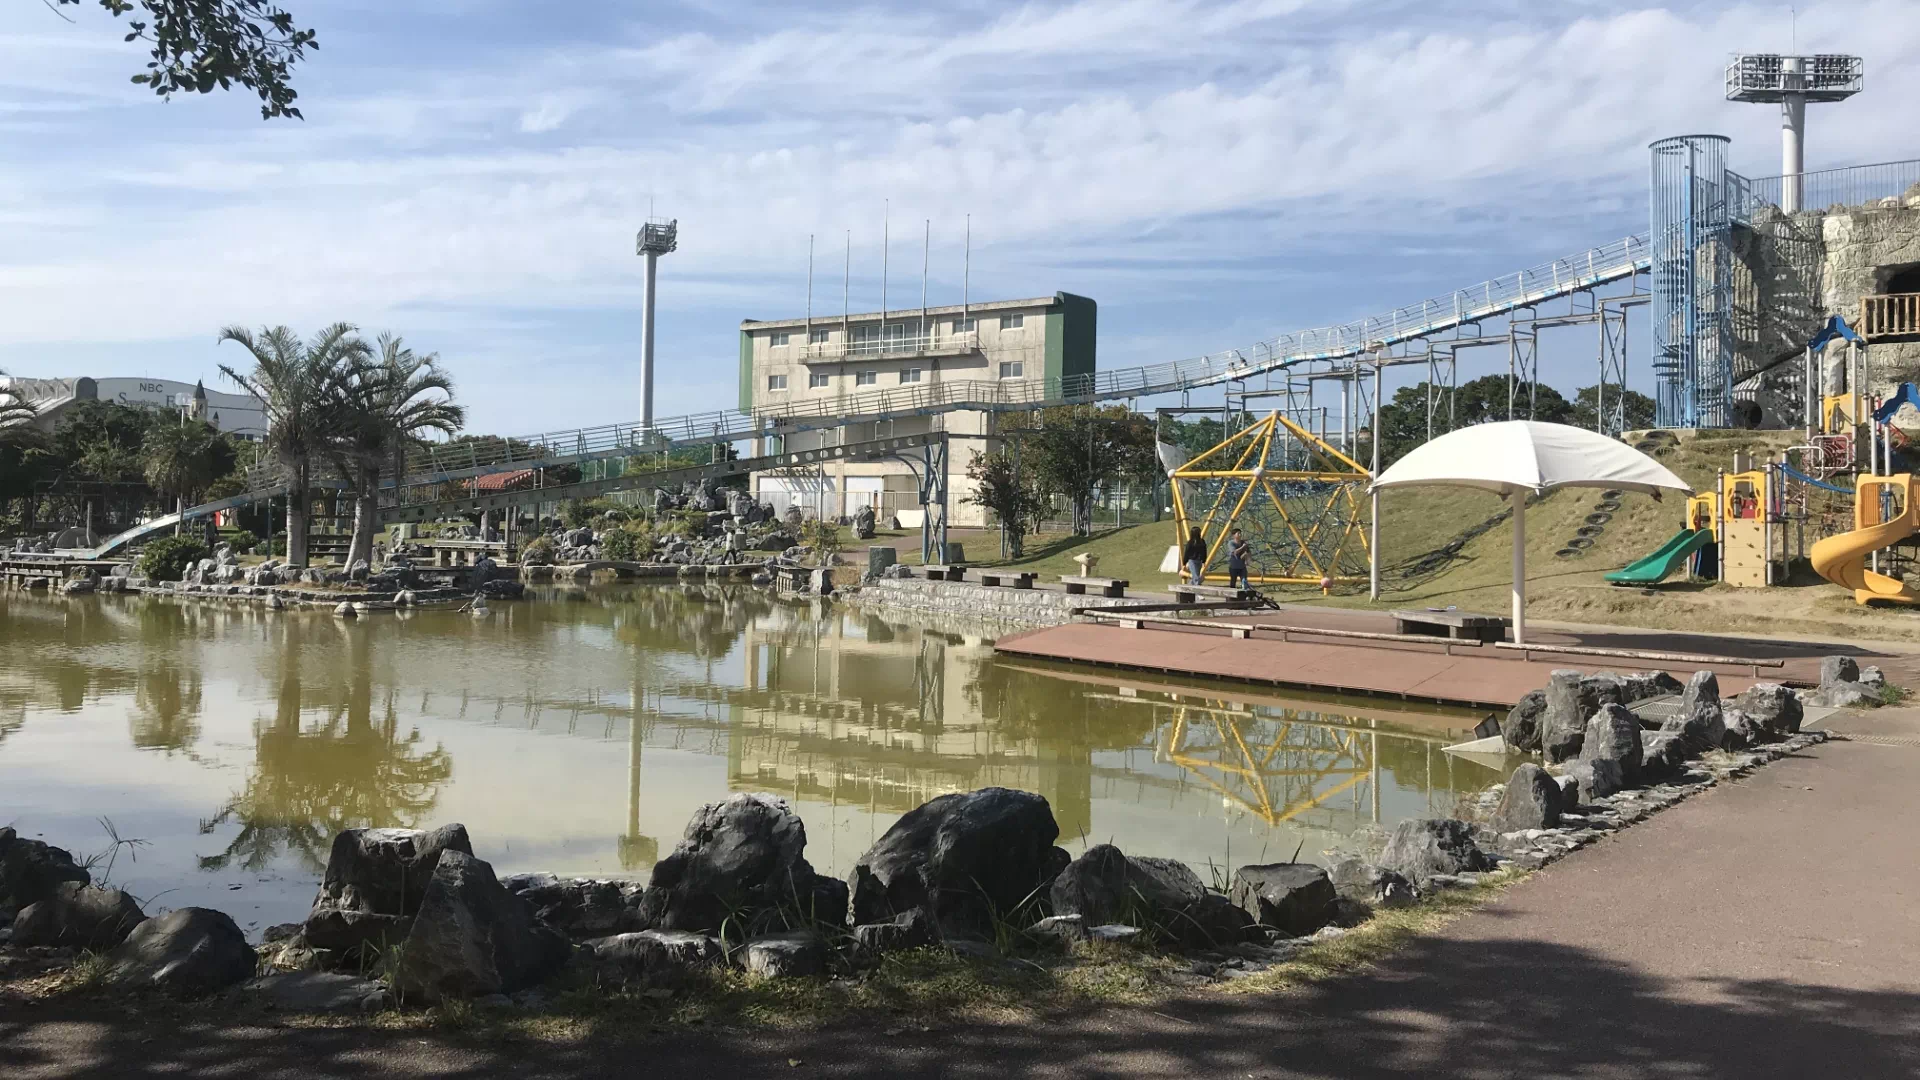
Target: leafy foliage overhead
x=198, y=45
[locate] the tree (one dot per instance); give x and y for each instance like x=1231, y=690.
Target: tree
x=198, y=45
x=999, y=487
x=1403, y=421
x=181, y=460
x=390, y=402
x=301, y=386
x=1078, y=448
x=1635, y=407
x=16, y=414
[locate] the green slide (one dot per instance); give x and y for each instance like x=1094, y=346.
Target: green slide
x=1672, y=556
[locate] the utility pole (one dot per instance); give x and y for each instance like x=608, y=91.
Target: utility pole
x=656, y=238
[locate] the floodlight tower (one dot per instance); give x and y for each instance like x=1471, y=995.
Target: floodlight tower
x=656, y=238
x=1792, y=81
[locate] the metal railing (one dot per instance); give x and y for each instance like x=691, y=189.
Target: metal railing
x=1854, y=185
x=1890, y=315
x=1616, y=261
x=911, y=345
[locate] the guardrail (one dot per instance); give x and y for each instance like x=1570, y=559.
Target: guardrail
x=1890, y=315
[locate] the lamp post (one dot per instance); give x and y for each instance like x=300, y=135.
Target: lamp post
x=656, y=238
x=1793, y=81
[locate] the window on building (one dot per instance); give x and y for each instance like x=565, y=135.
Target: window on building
x=817, y=380
x=896, y=336
x=781, y=337
x=1013, y=369
x=865, y=378
x=965, y=326
x=818, y=335
x=1012, y=322
x=911, y=374
x=866, y=337
x=779, y=382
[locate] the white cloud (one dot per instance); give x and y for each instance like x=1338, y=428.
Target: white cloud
x=1181, y=135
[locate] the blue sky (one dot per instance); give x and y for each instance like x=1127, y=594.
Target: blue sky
x=470, y=173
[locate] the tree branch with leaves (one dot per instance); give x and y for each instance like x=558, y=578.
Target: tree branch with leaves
x=200, y=45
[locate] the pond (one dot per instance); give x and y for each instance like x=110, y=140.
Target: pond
x=576, y=731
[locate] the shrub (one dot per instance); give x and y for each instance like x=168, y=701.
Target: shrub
x=167, y=558
x=242, y=540
x=627, y=544
x=823, y=537
x=538, y=551
x=278, y=547
x=575, y=513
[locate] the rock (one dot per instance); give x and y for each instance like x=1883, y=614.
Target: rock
x=359, y=571
x=1294, y=898
x=1521, y=729
x=964, y=858
x=1596, y=778
x=375, y=880
x=80, y=586
x=1420, y=848
x=1701, y=721
x=1838, y=669
x=1113, y=932
x=186, y=952
x=318, y=992
x=471, y=937
x=1359, y=880
x=345, y=610
x=1773, y=708
x=1571, y=699
x=1067, y=928
x=909, y=930
x=655, y=956
x=1873, y=678
x=738, y=858
x=1531, y=801
x=1740, y=730
x=275, y=602
x=1663, y=753
x=586, y=909
x=81, y=916
x=1614, y=735
x=30, y=870
x=863, y=523
x=502, y=589
x=785, y=955
x=1646, y=684
x=1104, y=885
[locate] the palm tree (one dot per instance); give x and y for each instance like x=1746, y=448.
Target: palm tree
x=396, y=398
x=180, y=460
x=302, y=386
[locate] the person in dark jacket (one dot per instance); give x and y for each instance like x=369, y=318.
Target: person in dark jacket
x=1238, y=549
x=1194, y=556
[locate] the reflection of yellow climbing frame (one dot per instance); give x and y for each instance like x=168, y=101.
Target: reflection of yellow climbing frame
x=1300, y=767
x=1300, y=497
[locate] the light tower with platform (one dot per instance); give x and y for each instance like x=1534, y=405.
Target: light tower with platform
x=1793, y=81
x=656, y=238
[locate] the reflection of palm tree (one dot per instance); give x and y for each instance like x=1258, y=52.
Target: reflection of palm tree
x=310, y=783
x=166, y=703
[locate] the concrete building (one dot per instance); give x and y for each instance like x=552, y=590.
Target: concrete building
x=236, y=414
x=872, y=369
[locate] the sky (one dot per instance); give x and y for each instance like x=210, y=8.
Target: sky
x=471, y=173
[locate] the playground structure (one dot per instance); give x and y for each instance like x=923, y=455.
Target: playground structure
x=1296, y=499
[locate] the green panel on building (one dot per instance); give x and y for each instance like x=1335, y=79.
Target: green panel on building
x=1072, y=331
x=746, y=371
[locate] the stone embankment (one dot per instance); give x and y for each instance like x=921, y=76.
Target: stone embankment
x=960, y=599
x=977, y=873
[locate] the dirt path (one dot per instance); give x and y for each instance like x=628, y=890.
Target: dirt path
x=1770, y=927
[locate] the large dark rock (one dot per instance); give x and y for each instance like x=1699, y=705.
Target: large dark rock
x=1701, y=721
x=1359, y=880
x=1773, y=708
x=1420, y=848
x=740, y=861
x=1614, y=735
x=78, y=915
x=1662, y=754
x=1596, y=778
x=1838, y=669
x=1293, y=898
x=1531, y=801
x=1646, y=684
x=911, y=930
x=1521, y=729
x=30, y=869
x=577, y=908
x=1163, y=895
x=661, y=957
x=186, y=952
x=785, y=955
x=374, y=882
x=318, y=992
x=471, y=937
x=1572, y=699
x=965, y=858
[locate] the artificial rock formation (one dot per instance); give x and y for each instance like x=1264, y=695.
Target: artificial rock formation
x=966, y=859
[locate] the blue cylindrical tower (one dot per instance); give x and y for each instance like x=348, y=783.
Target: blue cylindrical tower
x=1692, y=269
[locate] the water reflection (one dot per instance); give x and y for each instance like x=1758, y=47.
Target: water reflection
x=577, y=732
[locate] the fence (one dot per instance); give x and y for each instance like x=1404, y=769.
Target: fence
x=1854, y=185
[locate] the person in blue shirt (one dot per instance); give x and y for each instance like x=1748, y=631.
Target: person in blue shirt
x=1238, y=549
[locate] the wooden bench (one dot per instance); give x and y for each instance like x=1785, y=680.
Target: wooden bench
x=1189, y=594
x=1008, y=579
x=1078, y=586
x=945, y=571
x=1460, y=625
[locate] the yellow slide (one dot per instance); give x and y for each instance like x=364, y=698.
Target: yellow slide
x=1842, y=559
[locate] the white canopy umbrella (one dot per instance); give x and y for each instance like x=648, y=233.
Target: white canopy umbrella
x=1518, y=458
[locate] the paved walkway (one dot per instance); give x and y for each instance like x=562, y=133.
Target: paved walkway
x=1766, y=928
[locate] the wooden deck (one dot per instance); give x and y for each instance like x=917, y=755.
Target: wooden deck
x=1480, y=676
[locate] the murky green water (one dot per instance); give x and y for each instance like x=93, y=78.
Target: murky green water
x=577, y=731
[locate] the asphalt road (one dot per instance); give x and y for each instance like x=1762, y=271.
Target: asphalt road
x=1769, y=927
